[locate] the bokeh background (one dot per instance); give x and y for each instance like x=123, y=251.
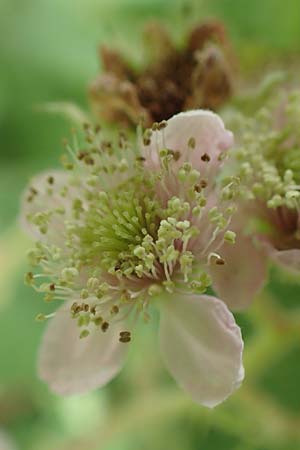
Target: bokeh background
x=48, y=52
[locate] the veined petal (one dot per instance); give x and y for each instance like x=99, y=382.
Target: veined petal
x=204, y=127
x=202, y=347
x=243, y=275
x=71, y=365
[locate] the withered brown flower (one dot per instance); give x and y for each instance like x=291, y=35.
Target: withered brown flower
x=199, y=75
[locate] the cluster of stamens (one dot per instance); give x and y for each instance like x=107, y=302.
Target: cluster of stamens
x=269, y=159
x=121, y=243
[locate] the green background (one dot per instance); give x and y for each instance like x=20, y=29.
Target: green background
x=48, y=52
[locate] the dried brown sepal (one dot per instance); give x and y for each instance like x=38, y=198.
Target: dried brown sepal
x=199, y=75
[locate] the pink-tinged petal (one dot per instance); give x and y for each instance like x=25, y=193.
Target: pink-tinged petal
x=205, y=127
x=71, y=365
x=6, y=442
x=202, y=347
x=289, y=259
x=36, y=199
x=244, y=273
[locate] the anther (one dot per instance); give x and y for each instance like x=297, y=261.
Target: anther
x=104, y=326
x=50, y=179
x=74, y=307
x=85, y=333
x=28, y=278
x=125, y=336
x=175, y=154
x=161, y=125
x=114, y=309
x=192, y=142
x=205, y=157
x=98, y=321
x=52, y=287
x=140, y=159
x=89, y=160
x=220, y=262
x=81, y=155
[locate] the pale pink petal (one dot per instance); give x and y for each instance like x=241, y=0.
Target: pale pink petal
x=205, y=127
x=71, y=365
x=202, y=347
x=42, y=201
x=244, y=273
x=290, y=259
x=6, y=443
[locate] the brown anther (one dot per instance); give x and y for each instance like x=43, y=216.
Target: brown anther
x=106, y=145
x=86, y=307
x=220, y=261
x=114, y=309
x=146, y=141
x=93, y=310
x=125, y=336
x=161, y=125
x=140, y=158
x=97, y=128
x=89, y=160
x=52, y=287
x=50, y=179
x=104, y=326
x=33, y=190
x=81, y=155
x=176, y=155
x=197, y=187
x=203, y=184
x=205, y=157
x=155, y=126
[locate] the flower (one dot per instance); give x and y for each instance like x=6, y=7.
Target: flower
x=173, y=79
x=129, y=228
x=268, y=162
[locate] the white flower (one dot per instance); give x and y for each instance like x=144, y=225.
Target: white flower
x=130, y=229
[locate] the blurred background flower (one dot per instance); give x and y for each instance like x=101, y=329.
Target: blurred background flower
x=49, y=54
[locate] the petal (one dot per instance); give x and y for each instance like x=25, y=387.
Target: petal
x=71, y=365
x=290, y=259
x=204, y=126
x=243, y=275
x=202, y=347
x=42, y=201
x=6, y=442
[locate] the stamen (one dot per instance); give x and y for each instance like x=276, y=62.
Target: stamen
x=125, y=336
